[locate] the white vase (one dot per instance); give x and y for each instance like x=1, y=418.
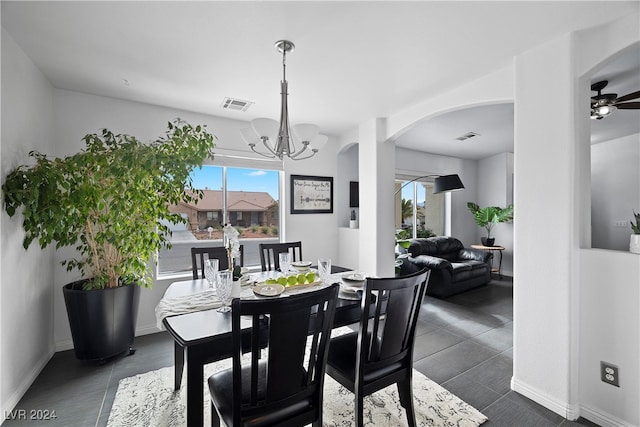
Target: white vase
x=353, y=223
x=634, y=243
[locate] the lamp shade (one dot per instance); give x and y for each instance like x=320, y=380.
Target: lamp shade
x=447, y=183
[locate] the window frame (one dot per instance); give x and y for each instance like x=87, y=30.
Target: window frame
x=240, y=163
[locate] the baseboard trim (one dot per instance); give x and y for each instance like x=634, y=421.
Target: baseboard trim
x=13, y=400
x=603, y=419
x=64, y=345
x=570, y=412
x=146, y=330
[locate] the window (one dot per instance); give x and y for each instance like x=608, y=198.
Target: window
x=419, y=212
x=248, y=199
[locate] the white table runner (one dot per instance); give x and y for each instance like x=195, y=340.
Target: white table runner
x=208, y=300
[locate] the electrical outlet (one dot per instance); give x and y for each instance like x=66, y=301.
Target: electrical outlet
x=609, y=374
x=620, y=224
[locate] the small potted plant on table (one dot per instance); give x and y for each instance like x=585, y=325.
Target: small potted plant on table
x=634, y=241
x=489, y=216
x=110, y=202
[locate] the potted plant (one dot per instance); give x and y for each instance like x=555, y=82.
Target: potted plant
x=634, y=241
x=110, y=202
x=489, y=216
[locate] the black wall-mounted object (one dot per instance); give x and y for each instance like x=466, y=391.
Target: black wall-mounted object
x=354, y=196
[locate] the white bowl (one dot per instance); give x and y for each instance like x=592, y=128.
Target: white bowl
x=301, y=265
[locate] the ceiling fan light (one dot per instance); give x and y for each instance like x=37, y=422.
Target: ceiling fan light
x=605, y=110
x=598, y=112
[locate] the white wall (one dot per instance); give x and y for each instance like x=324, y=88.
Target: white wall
x=347, y=171
x=609, y=333
x=561, y=322
x=615, y=191
x=608, y=282
x=462, y=224
x=543, y=271
x=495, y=175
x=348, y=239
x=26, y=283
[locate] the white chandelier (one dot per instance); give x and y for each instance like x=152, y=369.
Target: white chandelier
x=276, y=137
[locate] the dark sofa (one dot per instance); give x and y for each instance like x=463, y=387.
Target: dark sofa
x=454, y=268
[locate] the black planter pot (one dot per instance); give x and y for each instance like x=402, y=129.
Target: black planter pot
x=102, y=321
x=488, y=241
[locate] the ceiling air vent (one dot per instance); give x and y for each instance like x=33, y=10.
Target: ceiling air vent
x=235, y=104
x=467, y=136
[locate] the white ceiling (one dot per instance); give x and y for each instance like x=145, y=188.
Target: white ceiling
x=353, y=60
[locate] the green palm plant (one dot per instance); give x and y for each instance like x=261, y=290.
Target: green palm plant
x=489, y=216
x=406, y=209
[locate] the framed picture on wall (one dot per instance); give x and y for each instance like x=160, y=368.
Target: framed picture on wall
x=311, y=194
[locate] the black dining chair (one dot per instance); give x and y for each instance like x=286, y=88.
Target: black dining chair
x=269, y=254
x=283, y=386
x=217, y=252
x=380, y=353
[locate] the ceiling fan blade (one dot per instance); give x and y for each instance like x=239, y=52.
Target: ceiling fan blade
x=629, y=96
x=628, y=106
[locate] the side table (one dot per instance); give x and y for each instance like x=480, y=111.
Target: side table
x=493, y=248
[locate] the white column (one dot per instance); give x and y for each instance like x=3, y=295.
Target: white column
x=544, y=177
x=376, y=159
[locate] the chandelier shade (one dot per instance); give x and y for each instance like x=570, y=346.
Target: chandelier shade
x=277, y=139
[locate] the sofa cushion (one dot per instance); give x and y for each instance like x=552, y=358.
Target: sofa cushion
x=475, y=255
x=461, y=271
x=422, y=247
x=430, y=262
x=475, y=265
x=446, y=245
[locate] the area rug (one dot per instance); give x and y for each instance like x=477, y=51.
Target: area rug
x=149, y=400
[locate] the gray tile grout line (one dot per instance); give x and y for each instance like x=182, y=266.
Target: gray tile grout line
x=505, y=396
x=104, y=396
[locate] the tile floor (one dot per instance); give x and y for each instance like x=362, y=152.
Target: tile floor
x=463, y=343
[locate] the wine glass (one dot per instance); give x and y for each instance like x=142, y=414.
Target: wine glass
x=211, y=271
x=284, y=259
x=223, y=289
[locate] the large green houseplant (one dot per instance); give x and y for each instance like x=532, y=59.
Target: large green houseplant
x=110, y=201
x=489, y=216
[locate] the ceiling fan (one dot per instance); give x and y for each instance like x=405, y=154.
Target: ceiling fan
x=603, y=104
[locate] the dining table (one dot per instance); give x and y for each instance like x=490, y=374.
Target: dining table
x=205, y=336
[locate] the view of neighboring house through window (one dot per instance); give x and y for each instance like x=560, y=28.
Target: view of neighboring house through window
x=245, y=198
x=419, y=212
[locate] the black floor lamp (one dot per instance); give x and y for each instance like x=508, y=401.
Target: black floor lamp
x=441, y=183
